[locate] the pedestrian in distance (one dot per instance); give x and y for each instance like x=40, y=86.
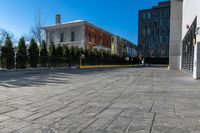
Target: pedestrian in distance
x=142, y=62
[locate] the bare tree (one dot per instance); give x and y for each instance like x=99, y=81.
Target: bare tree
x=27, y=37
x=3, y=34
x=36, y=30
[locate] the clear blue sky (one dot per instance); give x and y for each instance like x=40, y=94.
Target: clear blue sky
x=117, y=16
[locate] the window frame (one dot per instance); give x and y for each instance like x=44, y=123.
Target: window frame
x=72, y=36
x=62, y=34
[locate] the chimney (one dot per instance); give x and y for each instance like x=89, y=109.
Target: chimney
x=58, y=19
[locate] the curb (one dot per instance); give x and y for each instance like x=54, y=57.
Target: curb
x=106, y=66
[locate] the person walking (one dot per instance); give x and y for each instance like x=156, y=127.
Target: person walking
x=143, y=62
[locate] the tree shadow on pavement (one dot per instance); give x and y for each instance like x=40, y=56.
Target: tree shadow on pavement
x=38, y=78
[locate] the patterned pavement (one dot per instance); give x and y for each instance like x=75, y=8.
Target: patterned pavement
x=128, y=100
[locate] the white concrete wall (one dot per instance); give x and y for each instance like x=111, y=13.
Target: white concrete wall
x=79, y=36
x=191, y=10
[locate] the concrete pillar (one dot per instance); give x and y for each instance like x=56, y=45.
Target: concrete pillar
x=175, y=46
x=196, y=68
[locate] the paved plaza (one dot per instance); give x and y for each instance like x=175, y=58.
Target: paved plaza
x=125, y=100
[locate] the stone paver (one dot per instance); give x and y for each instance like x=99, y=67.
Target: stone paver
x=128, y=100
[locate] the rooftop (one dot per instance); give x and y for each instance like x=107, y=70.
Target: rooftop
x=160, y=5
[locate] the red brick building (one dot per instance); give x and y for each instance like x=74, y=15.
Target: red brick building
x=97, y=38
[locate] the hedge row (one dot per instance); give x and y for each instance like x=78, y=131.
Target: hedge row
x=60, y=56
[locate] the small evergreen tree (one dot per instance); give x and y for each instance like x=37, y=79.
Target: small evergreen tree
x=43, y=54
x=66, y=54
x=82, y=56
x=72, y=55
x=82, y=52
x=78, y=52
x=73, y=52
x=59, y=55
x=52, y=54
x=88, y=59
x=101, y=57
x=3, y=54
x=105, y=57
x=33, y=53
x=86, y=53
x=21, y=56
x=77, y=56
x=9, y=54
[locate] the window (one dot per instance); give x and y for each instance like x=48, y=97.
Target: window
x=163, y=14
x=112, y=39
x=61, y=37
x=155, y=40
x=161, y=39
x=143, y=32
x=100, y=40
x=153, y=45
x=96, y=38
x=152, y=31
x=72, y=36
x=158, y=32
x=149, y=15
x=160, y=14
x=89, y=37
x=150, y=40
x=144, y=16
x=153, y=15
x=157, y=24
x=167, y=39
x=148, y=31
x=146, y=24
x=163, y=31
x=150, y=23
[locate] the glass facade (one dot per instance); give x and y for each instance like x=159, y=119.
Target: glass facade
x=153, y=36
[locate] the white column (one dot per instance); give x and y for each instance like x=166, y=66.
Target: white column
x=196, y=68
x=195, y=63
x=175, y=46
x=196, y=72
